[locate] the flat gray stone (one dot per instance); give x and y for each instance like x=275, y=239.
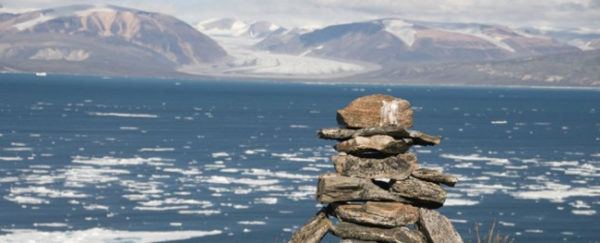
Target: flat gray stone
x=435, y=176
x=436, y=227
x=427, y=193
x=399, y=234
x=314, y=230
x=379, y=214
x=397, y=167
x=378, y=143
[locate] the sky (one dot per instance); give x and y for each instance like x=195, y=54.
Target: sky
x=580, y=15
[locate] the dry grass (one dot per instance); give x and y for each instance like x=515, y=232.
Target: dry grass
x=491, y=237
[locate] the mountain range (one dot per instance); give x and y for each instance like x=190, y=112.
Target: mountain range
x=392, y=41
x=110, y=40
x=102, y=40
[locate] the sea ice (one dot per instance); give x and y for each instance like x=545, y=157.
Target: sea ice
x=265, y=200
x=127, y=115
x=98, y=235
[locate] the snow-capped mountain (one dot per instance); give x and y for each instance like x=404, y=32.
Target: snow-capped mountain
x=101, y=39
x=583, y=39
x=391, y=41
x=229, y=27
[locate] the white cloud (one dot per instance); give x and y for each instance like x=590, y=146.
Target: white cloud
x=550, y=14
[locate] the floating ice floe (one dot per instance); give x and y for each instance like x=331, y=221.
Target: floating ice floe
x=9, y=179
x=460, y=202
x=125, y=128
x=46, y=192
x=190, y=171
x=92, y=207
x=459, y=221
x=557, y=193
x=473, y=190
x=166, y=208
x=26, y=200
x=507, y=224
x=246, y=181
x=504, y=174
x=284, y=155
x=110, y=161
x=128, y=115
x=252, y=222
x=560, y=163
x=200, y=212
x=14, y=158
x=308, y=168
x=476, y=157
x=18, y=149
x=230, y=170
x=265, y=200
x=220, y=154
x=278, y=174
x=587, y=170
x=135, y=197
x=535, y=231
x=177, y=201
x=255, y=151
x=587, y=212
x=98, y=235
x=51, y=225
x=579, y=204
x=80, y=176
x=502, y=122
x=156, y=149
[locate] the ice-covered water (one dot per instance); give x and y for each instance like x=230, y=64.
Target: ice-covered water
x=94, y=159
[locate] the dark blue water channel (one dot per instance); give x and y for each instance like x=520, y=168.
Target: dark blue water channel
x=222, y=161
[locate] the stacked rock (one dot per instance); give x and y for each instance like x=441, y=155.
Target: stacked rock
x=379, y=193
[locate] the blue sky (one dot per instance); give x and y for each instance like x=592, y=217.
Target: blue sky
x=583, y=15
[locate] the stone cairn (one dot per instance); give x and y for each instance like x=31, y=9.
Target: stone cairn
x=379, y=193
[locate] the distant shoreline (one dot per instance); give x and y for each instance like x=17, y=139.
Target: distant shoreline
x=297, y=80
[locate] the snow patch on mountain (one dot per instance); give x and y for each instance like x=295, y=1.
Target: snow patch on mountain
x=229, y=27
x=75, y=10
x=223, y=27
x=53, y=54
x=582, y=44
x=497, y=40
x=401, y=29
x=96, y=9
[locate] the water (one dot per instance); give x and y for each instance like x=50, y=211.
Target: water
x=130, y=159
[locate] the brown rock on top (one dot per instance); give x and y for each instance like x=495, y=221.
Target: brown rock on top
x=436, y=227
x=376, y=110
x=397, y=167
x=378, y=143
x=386, y=214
